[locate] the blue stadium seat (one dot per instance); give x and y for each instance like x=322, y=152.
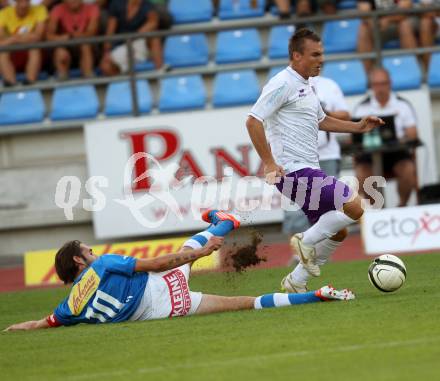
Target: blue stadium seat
x=42, y=76
x=74, y=102
x=238, y=46
x=279, y=41
x=186, y=50
x=347, y=4
x=22, y=107
x=433, y=71
x=392, y=44
x=404, y=70
x=239, y=9
x=184, y=11
x=350, y=75
x=118, y=98
x=144, y=66
x=340, y=35
x=182, y=93
x=235, y=88
x=275, y=11
x=75, y=73
x=274, y=71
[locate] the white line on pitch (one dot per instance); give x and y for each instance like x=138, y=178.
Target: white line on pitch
x=240, y=360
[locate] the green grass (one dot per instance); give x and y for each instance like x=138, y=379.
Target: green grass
x=378, y=336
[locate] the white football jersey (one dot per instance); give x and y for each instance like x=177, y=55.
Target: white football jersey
x=291, y=112
x=332, y=99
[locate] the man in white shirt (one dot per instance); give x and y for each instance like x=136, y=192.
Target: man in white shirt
x=333, y=103
x=383, y=102
x=289, y=111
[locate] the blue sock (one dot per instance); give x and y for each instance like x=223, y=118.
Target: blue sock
x=220, y=230
x=283, y=300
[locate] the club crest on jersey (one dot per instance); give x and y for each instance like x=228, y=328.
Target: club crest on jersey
x=302, y=93
x=83, y=291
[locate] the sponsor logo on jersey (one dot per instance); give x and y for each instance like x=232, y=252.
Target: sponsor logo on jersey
x=83, y=291
x=179, y=293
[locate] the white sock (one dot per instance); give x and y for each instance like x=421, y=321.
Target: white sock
x=324, y=249
x=195, y=242
x=327, y=226
x=300, y=275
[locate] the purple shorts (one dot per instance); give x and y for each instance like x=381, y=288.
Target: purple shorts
x=315, y=192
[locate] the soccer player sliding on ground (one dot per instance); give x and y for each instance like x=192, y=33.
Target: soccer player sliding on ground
x=114, y=288
x=290, y=113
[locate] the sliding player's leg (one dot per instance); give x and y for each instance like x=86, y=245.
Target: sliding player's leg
x=213, y=303
x=222, y=223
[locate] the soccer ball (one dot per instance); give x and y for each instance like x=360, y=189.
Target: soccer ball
x=387, y=273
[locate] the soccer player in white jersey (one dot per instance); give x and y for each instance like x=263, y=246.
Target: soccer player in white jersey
x=115, y=288
x=289, y=112
x=333, y=103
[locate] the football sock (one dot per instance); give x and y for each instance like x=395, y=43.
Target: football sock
x=324, y=249
x=220, y=230
x=283, y=300
x=300, y=275
x=327, y=226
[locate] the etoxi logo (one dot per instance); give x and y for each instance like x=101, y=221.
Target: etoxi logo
x=415, y=228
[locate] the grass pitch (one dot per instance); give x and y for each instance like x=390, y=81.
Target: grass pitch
x=376, y=337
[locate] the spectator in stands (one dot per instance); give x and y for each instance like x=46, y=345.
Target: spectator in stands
x=334, y=104
x=70, y=20
x=21, y=23
x=302, y=7
x=165, y=17
x=305, y=7
x=401, y=164
x=391, y=27
x=130, y=16
x=429, y=28
x=47, y=3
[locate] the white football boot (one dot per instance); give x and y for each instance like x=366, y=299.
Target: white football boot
x=307, y=254
x=289, y=286
x=328, y=293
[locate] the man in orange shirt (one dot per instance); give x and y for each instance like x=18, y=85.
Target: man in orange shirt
x=69, y=20
x=21, y=23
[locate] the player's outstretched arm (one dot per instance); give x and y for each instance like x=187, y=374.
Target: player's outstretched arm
x=28, y=325
x=368, y=123
x=171, y=261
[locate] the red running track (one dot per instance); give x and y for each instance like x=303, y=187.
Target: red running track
x=277, y=255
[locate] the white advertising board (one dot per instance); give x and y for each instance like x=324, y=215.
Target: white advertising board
x=201, y=143
x=395, y=230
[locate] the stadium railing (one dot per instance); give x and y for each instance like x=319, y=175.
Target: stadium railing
x=210, y=27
